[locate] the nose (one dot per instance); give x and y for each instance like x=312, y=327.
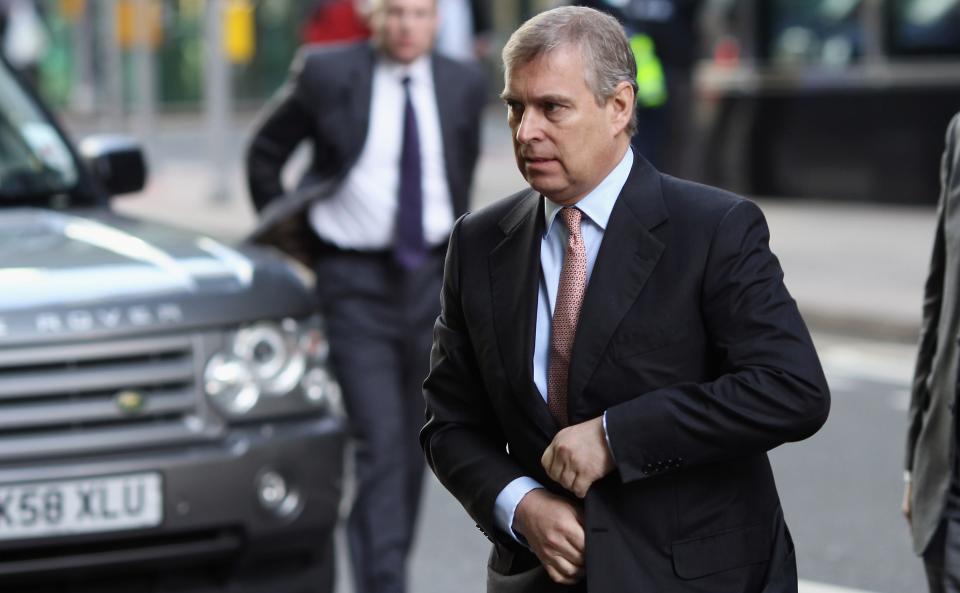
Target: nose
x=530, y=128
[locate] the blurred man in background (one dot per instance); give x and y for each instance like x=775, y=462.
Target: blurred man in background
x=931, y=501
x=394, y=131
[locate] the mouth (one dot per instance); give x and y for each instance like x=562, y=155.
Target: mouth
x=536, y=160
x=538, y=163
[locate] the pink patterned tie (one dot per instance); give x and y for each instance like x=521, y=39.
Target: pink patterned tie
x=566, y=314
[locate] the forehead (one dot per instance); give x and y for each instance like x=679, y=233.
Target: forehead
x=557, y=72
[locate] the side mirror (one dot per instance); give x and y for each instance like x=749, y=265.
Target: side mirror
x=116, y=162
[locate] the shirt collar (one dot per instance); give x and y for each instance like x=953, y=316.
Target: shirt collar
x=598, y=204
x=419, y=70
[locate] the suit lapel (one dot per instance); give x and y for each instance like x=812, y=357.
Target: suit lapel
x=628, y=254
x=514, y=275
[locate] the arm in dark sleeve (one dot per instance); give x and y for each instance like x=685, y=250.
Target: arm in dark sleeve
x=932, y=301
x=770, y=387
x=282, y=125
x=462, y=438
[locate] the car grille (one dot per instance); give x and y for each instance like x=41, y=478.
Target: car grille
x=70, y=398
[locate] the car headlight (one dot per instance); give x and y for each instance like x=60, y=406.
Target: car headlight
x=271, y=368
x=231, y=385
x=273, y=354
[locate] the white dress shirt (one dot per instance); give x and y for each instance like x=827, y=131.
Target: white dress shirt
x=361, y=215
x=596, y=207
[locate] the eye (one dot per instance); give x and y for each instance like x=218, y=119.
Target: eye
x=513, y=107
x=550, y=107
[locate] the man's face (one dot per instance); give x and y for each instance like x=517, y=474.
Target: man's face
x=565, y=144
x=404, y=29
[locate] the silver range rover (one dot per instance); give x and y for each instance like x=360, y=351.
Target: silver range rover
x=168, y=421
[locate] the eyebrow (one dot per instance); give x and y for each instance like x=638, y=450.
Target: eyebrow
x=541, y=99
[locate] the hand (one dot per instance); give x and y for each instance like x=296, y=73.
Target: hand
x=553, y=528
x=907, y=506
x=578, y=456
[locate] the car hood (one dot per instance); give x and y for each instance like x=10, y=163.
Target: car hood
x=90, y=264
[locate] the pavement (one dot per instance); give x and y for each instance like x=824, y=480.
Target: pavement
x=854, y=268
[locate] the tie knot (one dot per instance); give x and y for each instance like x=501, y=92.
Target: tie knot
x=406, y=80
x=571, y=217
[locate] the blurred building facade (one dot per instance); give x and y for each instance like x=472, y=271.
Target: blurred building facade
x=94, y=49
x=89, y=38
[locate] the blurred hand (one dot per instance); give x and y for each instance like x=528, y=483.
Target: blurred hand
x=907, y=506
x=553, y=528
x=578, y=456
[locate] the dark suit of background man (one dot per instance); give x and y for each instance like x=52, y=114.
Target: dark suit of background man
x=932, y=494
x=395, y=138
x=623, y=440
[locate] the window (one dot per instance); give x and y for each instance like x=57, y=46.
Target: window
x=824, y=32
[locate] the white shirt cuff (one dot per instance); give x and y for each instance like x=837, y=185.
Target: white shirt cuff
x=506, y=504
x=606, y=437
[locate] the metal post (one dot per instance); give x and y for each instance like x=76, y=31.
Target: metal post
x=83, y=96
x=217, y=101
x=145, y=71
x=111, y=68
x=874, y=27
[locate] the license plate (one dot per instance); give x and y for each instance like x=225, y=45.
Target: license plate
x=64, y=507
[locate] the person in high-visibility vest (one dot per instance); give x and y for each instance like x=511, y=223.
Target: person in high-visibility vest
x=651, y=83
x=665, y=42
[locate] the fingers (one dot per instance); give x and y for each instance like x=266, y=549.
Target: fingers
x=564, y=572
x=548, y=458
x=578, y=457
x=558, y=463
x=579, y=486
x=553, y=527
x=564, y=556
x=552, y=463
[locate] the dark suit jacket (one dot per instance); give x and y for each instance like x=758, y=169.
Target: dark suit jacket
x=326, y=101
x=930, y=431
x=688, y=339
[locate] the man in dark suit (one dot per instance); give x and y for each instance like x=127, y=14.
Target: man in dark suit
x=394, y=132
x=931, y=500
x=616, y=351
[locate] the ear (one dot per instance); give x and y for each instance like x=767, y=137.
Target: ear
x=621, y=104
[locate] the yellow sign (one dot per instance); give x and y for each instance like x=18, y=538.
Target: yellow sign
x=72, y=9
x=239, y=35
x=133, y=27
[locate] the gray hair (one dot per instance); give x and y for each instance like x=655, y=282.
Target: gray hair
x=607, y=57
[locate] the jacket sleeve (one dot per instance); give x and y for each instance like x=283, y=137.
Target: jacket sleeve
x=932, y=300
x=462, y=439
x=769, y=389
x=282, y=125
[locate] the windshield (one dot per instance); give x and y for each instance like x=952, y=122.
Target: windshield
x=34, y=159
